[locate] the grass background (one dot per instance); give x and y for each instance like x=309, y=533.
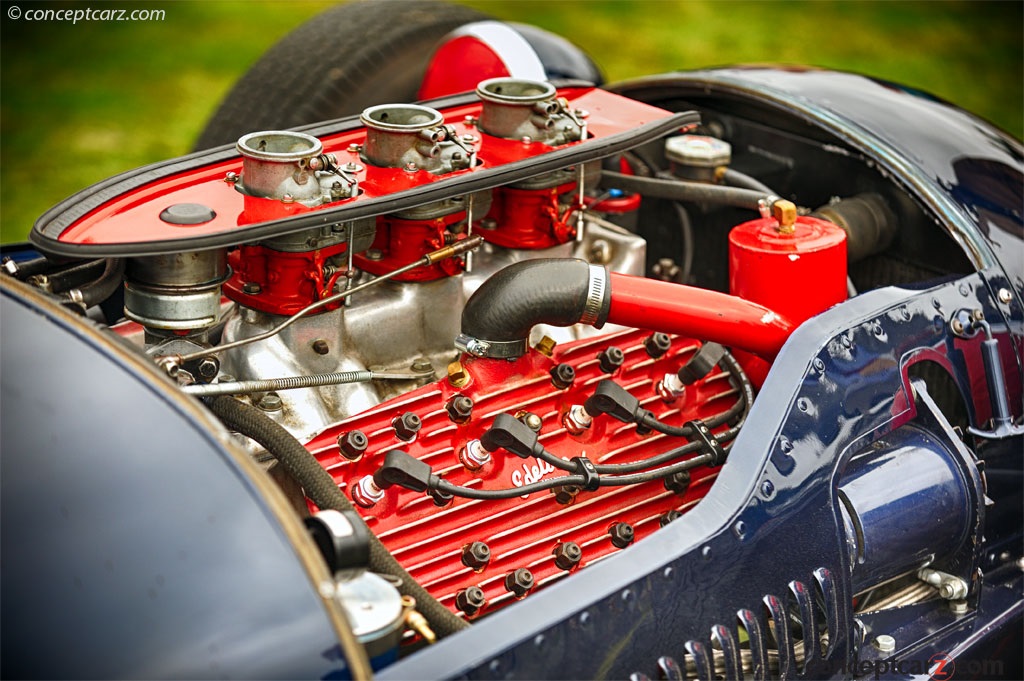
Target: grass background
x=79, y=103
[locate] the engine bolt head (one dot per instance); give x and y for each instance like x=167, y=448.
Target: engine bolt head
x=470, y=600
x=271, y=402
x=657, y=344
x=885, y=643
x=519, y=582
x=610, y=359
x=458, y=377
x=568, y=555
x=459, y=408
x=208, y=368
x=251, y=288
x=476, y=555
x=621, y=534
x=678, y=482
x=353, y=444
x=231, y=177
x=1005, y=296
x=406, y=426
x=374, y=254
x=666, y=269
x=562, y=376
x=473, y=455
x=600, y=252
x=668, y=516
x=321, y=347
x=422, y=364
x=530, y=420
x=546, y=346
x=565, y=494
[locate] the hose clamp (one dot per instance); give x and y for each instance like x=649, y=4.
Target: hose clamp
x=765, y=203
x=597, y=284
x=492, y=349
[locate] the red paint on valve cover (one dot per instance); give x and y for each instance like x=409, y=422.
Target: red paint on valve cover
x=797, y=275
x=524, y=532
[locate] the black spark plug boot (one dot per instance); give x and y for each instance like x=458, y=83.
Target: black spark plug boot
x=701, y=364
x=405, y=471
x=512, y=435
x=611, y=398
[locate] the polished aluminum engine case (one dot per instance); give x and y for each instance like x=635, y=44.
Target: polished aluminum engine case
x=393, y=326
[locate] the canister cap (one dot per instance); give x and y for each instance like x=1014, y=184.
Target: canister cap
x=698, y=151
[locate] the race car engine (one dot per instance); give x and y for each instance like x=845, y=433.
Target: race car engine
x=519, y=331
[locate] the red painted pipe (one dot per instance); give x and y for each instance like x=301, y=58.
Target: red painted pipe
x=697, y=313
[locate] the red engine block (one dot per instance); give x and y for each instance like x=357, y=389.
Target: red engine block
x=524, y=532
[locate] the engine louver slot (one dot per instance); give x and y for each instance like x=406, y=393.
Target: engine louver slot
x=749, y=623
x=702, y=660
x=806, y=631
x=669, y=669
x=777, y=645
x=827, y=599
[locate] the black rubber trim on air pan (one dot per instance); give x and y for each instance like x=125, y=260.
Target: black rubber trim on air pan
x=67, y=212
x=63, y=215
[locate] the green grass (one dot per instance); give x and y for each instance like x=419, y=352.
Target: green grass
x=79, y=103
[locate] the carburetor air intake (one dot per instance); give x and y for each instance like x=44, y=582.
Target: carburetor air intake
x=514, y=108
x=413, y=137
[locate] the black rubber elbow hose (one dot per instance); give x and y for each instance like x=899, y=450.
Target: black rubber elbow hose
x=322, y=490
x=555, y=291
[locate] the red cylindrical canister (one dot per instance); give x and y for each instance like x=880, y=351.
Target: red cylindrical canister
x=797, y=275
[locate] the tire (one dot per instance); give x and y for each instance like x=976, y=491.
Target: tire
x=337, y=64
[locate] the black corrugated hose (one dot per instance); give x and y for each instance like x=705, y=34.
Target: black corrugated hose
x=322, y=490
